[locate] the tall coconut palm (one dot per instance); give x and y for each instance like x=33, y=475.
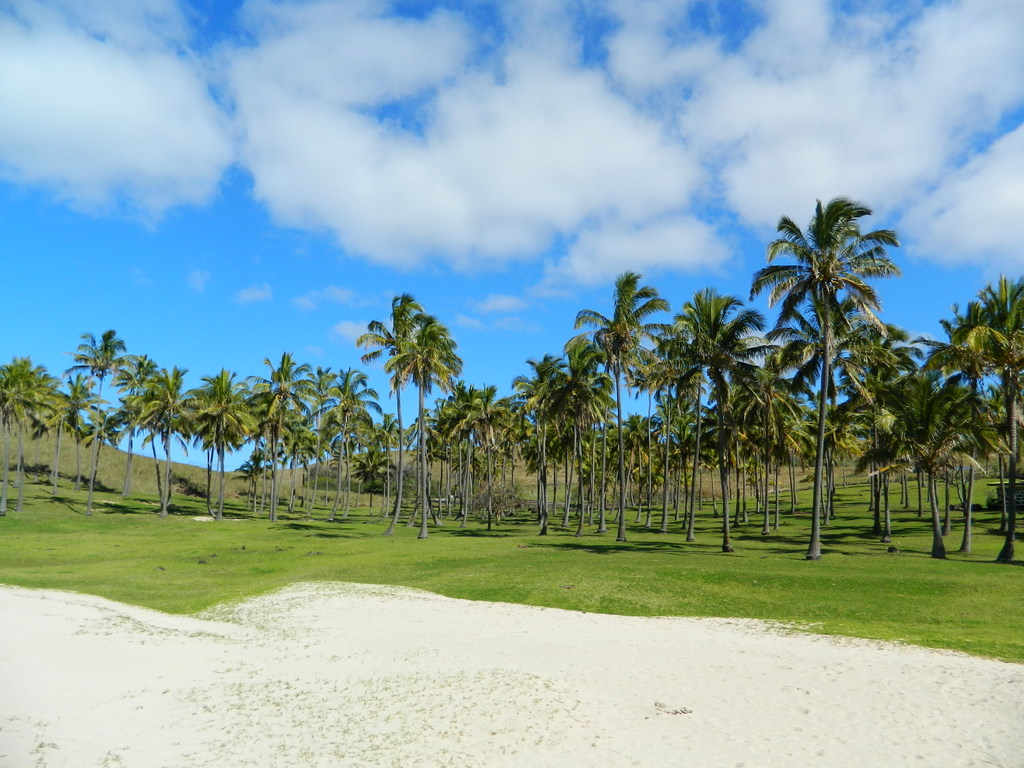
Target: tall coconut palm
x=484, y=416
x=131, y=379
x=101, y=358
x=284, y=393
x=832, y=259
x=165, y=407
x=353, y=398
x=995, y=335
x=427, y=358
x=323, y=381
x=78, y=399
x=620, y=337
x=222, y=418
x=535, y=392
x=580, y=396
x=722, y=346
x=391, y=339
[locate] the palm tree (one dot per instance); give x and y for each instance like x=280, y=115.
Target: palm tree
x=969, y=366
x=831, y=261
x=483, y=417
x=427, y=358
x=936, y=424
x=284, y=393
x=579, y=397
x=25, y=390
x=131, y=379
x=321, y=401
x=100, y=358
x=620, y=337
x=721, y=345
x=165, y=408
x=994, y=333
x=77, y=400
x=353, y=399
x=222, y=419
x=406, y=316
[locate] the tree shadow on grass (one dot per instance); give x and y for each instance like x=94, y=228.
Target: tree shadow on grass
x=316, y=530
x=612, y=547
x=476, y=533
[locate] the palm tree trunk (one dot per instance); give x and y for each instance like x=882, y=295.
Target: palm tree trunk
x=20, y=471
x=723, y=470
x=621, y=535
x=96, y=433
x=55, y=472
x=401, y=465
x=165, y=499
x=667, y=434
x=156, y=470
x=965, y=545
x=694, y=491
x=887, y=517
x=424, y=480
x=127, y=488
x=220, y=492
x=1011, y=391
x=209, y=481
x=938, y=547
x=7, y=468
x=814, y=547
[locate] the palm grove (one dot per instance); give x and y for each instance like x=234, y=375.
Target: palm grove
x=735, y=406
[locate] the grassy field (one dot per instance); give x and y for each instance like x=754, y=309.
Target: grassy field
x=180, y=564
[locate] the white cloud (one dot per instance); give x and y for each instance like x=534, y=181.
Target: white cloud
x=500, y=159
x=104, y=107
x=349, y=330
x=675, y=243
x=465, y=321
x=499, y=302
x=977, y=213
x=332, y=294
x=878, y=101
x=254, y=293
x=197, y=279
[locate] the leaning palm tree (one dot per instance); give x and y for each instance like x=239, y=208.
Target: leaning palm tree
x=832, y=259
x=620, y=337
x=100, y=358
x=427, y=358
x=390, y=340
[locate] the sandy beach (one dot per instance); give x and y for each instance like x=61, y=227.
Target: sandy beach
x=352, y=675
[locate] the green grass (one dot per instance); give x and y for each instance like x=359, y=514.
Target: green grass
x=127, y=553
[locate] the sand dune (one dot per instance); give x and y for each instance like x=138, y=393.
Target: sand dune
x=351, y=675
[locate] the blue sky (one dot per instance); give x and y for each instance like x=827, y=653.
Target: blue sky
x=223, y=182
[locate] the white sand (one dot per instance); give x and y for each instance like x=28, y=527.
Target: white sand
x=350, y=675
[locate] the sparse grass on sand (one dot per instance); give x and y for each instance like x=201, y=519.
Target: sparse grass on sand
x=180, y=564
